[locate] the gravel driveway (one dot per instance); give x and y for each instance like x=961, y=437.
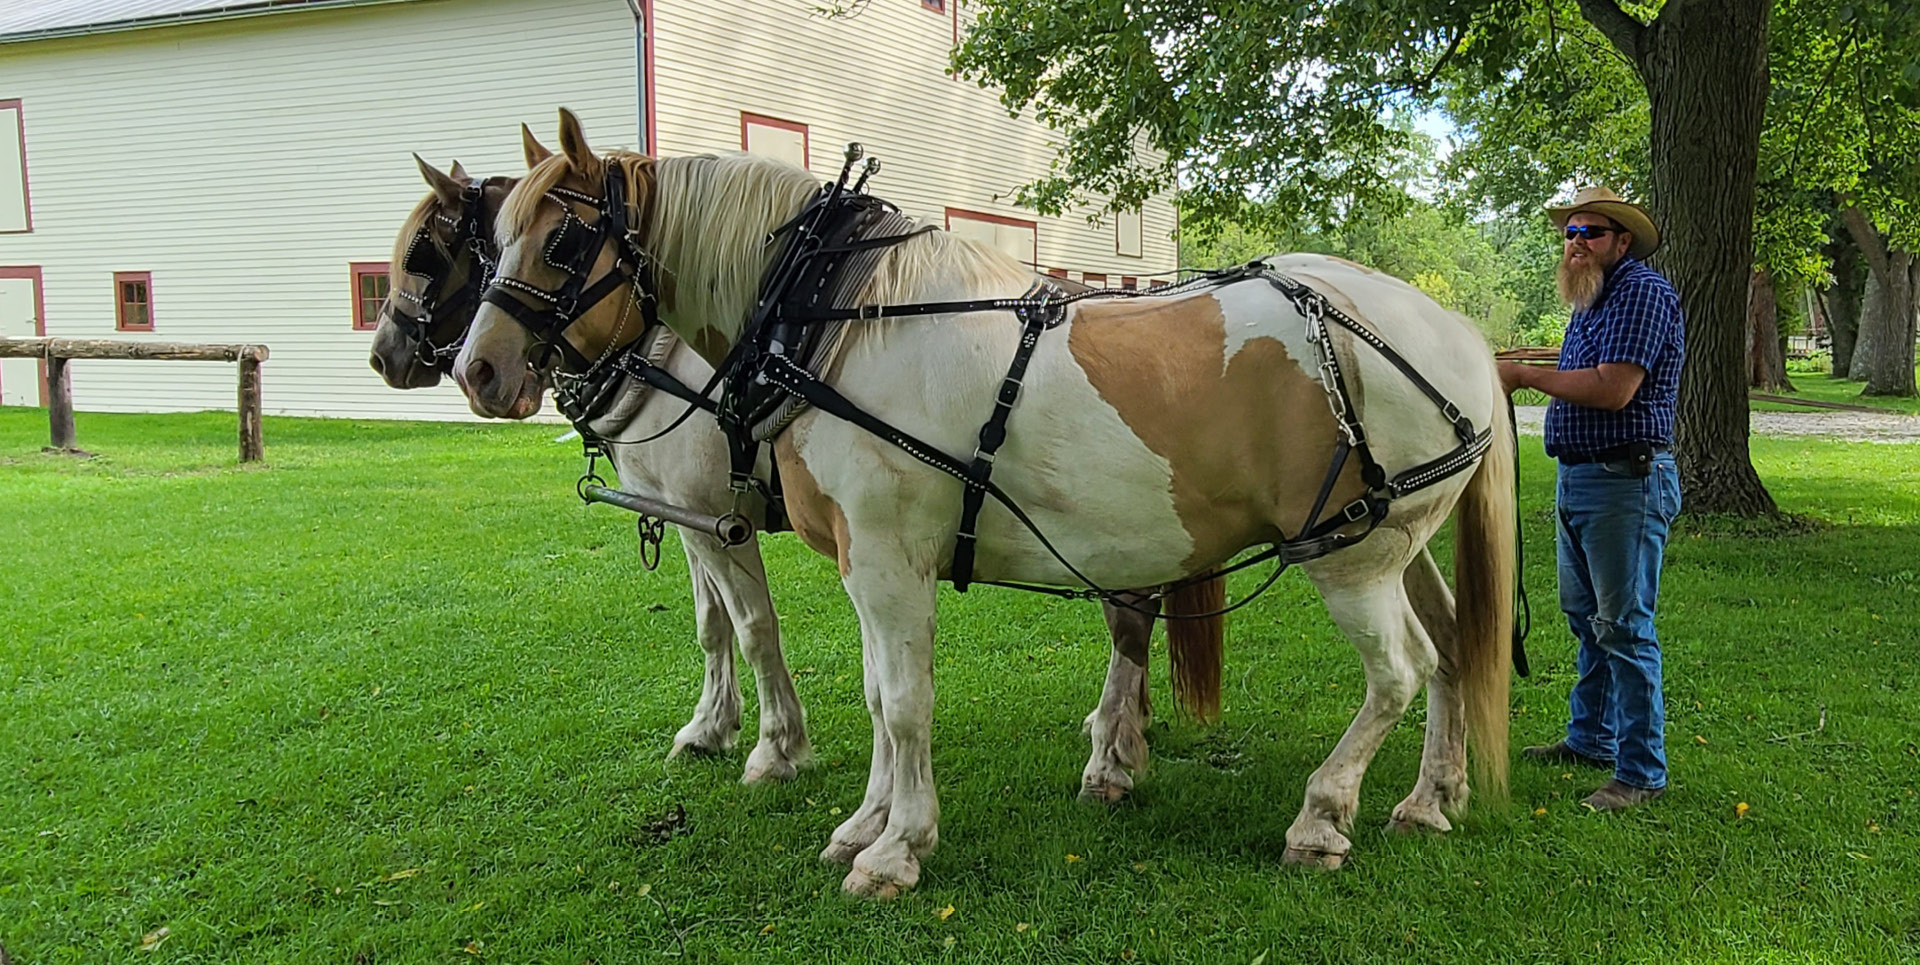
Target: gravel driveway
x=1833, y=424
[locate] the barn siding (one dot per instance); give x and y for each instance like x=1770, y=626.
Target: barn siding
x=246, y=164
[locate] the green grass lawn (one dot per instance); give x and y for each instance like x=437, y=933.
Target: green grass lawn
x=1821, y=387
x=396, y=697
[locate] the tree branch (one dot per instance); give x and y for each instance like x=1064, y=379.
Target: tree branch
x=1614, y=23
x=1867, y=240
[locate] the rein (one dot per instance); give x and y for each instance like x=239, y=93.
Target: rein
x=765, y=355
x=588, y=389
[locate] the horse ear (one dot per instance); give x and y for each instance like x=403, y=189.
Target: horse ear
x=532, y=148
x=444, y=188
x=459, y=173
x=573, y=143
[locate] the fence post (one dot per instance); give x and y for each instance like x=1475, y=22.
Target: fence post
x=59, y=404
x=252, y=446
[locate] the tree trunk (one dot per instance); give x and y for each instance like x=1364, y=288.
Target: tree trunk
x=1890, y=364
x=1842, y=301
x=1884, y=353
x=1705, y=68
x=1766, y=362
x=1872, y=306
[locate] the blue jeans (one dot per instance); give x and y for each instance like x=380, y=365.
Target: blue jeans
x=1613, y=534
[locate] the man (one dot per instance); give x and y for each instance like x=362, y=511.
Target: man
x=1611, y=425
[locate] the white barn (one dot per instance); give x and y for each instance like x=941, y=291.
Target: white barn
x=226, y=170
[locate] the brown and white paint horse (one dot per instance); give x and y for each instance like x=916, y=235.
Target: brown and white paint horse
x=731, y=600
x=689, y=467
x=1155, y=438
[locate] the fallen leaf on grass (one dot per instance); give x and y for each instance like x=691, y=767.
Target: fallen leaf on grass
x=475, y=948
x=945, y=913
x=767, y=930
x=1023, y=926
x=1740, y=810
x=154, y=939
x=1539, y=811
x=401, y=874
x=1698, y=739
x=1072, y=858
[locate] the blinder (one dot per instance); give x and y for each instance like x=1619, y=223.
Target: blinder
x=572, y=249
x=472, y=235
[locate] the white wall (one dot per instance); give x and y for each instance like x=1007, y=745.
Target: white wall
x=878, y=78
x=246, y=163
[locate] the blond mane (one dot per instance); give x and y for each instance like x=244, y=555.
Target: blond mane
x=709, y=219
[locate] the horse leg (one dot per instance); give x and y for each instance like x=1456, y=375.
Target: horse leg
x=1398, y=657
x=1118, y=725
x=1442, y=787
x=867, y=821
x=739, y=577
x=716, y=718
x=895, y=600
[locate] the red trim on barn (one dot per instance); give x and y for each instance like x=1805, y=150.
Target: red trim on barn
x=26, y=190
x=122, y=303
x=652, y=132
x=32, y=274
x=806, y=137
x=366, y=317
x=1033, y=226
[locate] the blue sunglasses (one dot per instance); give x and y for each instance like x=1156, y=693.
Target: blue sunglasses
x=1589, y=232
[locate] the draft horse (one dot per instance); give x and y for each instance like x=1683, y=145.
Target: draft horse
x=1154, y=438
x=444, y=258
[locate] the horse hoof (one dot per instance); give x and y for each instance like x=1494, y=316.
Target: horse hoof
x=841, y=852
x=699, y=746
x=878, y=884
x=1408, y=820
x=768, y=768
x=1103, y=792
x=1310, y=858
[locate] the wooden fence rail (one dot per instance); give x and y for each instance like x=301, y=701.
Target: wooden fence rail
x=58, y=351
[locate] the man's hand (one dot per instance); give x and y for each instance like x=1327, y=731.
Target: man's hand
x=1513, y=375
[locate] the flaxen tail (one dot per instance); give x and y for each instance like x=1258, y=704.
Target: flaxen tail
x=1483, y=573
x=1195, y=645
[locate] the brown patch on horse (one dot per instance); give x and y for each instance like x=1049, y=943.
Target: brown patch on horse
x=815, y=517
x=1161, y=364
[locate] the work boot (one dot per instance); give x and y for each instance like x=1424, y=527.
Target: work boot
x=1560, y=753
x=1615, y=796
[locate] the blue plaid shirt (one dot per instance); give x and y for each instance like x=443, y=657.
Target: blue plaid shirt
x=1636, y=319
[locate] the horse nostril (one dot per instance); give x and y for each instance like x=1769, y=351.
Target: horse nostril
x=379, y=364
x=480, y=373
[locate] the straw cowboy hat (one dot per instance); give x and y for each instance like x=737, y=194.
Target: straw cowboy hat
x=1603, y=202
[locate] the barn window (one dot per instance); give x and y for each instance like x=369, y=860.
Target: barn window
x=937, y=6
x=1094, y=279
x=370, y=286
x=774, y=138
x=1127, y=235
x=1017, y=237
x=133, y=298
x=16, y=211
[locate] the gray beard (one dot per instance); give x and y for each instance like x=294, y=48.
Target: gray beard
x=1580, y=283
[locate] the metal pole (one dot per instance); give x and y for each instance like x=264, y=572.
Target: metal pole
x=731, y=529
